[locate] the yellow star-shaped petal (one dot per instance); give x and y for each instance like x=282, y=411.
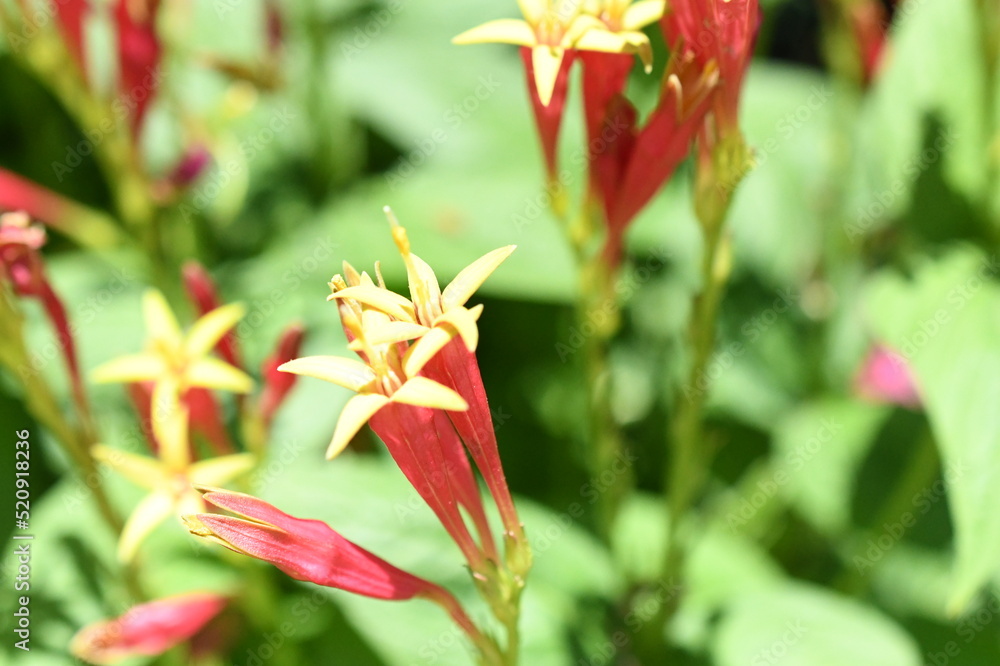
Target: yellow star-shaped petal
x=171, y=488
x=551, y=27
x=176, y=362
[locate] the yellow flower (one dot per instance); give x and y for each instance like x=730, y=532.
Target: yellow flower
x=171, y=488
x=175, y=363
x=551, y=27
x=381, y=323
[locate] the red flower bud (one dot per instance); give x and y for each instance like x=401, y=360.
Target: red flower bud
x=148, y=629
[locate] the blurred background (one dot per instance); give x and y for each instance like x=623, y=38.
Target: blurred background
x=277, y=133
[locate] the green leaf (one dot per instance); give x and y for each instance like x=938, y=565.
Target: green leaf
x=802, y=625
x=946, y=322
x=919, y=82
x=818, y=450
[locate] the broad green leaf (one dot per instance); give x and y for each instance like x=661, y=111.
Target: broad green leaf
x=803, y=625
x=818, y=450
x=919, y=83
x=946, y=322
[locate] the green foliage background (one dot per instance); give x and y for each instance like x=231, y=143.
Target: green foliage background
x=868, y=215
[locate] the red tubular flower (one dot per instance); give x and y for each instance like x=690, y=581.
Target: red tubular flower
x=278, y=384
x=629, y=165
x=548, y=118
x=456, y=367
x=203, y=294
x=203, y=411
x=205, y=417
x=71, y=15
x=309, y=550
x=424, y=445
x=719, y=31
x=21, y=265
x=139, y=54
x=149, y=629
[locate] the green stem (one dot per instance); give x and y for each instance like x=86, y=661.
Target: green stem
x=689, y=457
x=598, y=318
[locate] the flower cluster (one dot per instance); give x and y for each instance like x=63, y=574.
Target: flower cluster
x=711, y=42
x=172, y=386
x=419, y=388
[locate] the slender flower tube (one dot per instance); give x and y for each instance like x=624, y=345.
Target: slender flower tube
x=277, y=384
x=629, y=164
x=149, y=629
x=202, y=292
x=22, y=266
x=139, y=54
x=309, y=550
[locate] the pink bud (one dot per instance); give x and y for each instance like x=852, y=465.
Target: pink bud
x=885, y=377
x=304, y=549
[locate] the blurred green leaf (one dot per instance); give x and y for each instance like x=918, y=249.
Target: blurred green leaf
x=818, y=449
x=803, y=625
x=946, y=322
x=916, y=84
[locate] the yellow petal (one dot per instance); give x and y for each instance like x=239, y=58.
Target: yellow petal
x=424, y=288
x=210, y=328
x=146, y=472
x=640, y=44
x=214, y=373
x=392, y=332
x=602, y=40
x=161, y=323
x=640, y=14
x=546, y=61
x=150, y=512
x=356, y=413
x=503, y=31
x=463, y=320
x=351, y=274
x=533, y=10
x=170, y=425
x=130, y=368
x=424, y=349
x=472, y=277
x=189, y=502
x=346, y=372
x=425, y=392
x=221, y=470
x=382, y=299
